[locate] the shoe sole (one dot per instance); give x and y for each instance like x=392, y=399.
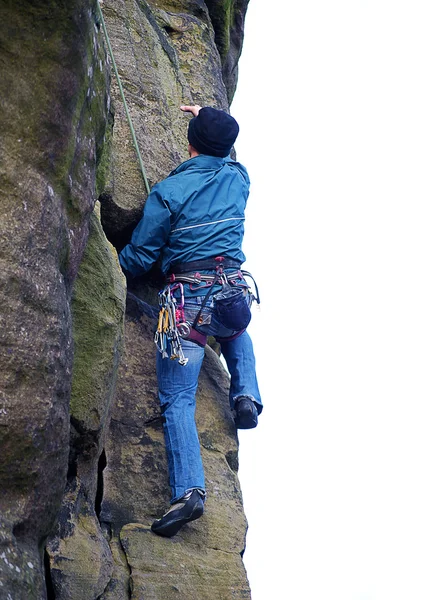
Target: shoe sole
x=246, y=423
x=173, y=527
x=247, y=420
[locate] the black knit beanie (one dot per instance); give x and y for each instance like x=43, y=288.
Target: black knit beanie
x=213, y=132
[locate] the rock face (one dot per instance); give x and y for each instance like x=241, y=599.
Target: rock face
x=166, y=56
x=53, y=94
x=82, y=468
x=135, y=448
x=81, y=562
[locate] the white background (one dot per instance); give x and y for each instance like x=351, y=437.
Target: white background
x=338, y=104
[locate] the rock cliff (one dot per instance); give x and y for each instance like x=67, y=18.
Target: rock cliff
x=82, y=462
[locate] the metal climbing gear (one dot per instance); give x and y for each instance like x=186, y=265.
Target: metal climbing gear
x=171, y=317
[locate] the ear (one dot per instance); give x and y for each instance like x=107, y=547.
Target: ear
x=192, y=151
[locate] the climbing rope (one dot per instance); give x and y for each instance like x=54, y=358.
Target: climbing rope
x=121, y=89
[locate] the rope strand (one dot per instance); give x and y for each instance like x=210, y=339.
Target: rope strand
x=121, y=89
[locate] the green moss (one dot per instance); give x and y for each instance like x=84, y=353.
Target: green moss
x=104, y=159
x=89, y=122
x=98, y=307
x=221, y=13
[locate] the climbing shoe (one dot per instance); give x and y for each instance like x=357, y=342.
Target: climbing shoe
x=188, y=508
x=246, y=414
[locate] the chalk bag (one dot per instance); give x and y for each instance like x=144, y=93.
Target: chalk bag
x=232, y=309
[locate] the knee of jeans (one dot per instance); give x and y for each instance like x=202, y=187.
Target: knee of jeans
x=178, y=401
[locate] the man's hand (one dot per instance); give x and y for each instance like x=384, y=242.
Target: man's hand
x=192, y=109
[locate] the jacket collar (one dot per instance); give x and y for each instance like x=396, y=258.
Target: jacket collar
x=202, y=161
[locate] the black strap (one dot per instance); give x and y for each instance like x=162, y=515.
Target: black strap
x=205, y=300
x=209, y=263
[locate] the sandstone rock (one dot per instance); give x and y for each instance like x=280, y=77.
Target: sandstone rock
x=81, y=562
x=52, y=117
x=166, y=56
x=165, y=569
x=59, y=152
x=136, y=479
x=98, y=307
x=80, y=557
x=118, y=587
x=227, y=18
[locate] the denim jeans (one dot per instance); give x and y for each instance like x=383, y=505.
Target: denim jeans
x=177, y=391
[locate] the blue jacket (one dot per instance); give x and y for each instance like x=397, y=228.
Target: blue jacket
x=197, y=212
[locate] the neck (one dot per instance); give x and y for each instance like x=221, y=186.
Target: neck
x=192, y=151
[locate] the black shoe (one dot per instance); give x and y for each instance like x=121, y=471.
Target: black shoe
x=189, y=508
x=246, y=414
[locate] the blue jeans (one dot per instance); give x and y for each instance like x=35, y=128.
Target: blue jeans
x=177, y=392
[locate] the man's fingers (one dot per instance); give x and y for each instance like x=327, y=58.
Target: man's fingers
x=192, y=109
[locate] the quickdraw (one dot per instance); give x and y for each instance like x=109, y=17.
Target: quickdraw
x=171, y=318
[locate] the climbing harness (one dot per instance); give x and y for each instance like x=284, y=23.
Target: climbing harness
x=189, y=273
x=231, y=305
x=121, y=89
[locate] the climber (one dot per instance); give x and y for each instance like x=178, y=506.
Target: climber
x=193, y=222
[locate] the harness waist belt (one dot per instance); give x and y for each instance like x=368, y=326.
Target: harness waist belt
x=209, y=263
x=199, y=277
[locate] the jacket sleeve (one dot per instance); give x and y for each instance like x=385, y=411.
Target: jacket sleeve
x=149, y=237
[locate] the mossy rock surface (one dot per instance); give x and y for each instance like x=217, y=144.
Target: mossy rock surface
x=82, y=455
x=53, y=94
x=80, y=558
x=136, y=486
x=166, y=56
x=180, y=568
x=98, y=307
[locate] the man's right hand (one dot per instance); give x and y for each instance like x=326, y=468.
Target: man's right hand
x=192, y=109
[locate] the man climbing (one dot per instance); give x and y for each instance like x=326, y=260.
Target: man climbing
x=193, y=221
